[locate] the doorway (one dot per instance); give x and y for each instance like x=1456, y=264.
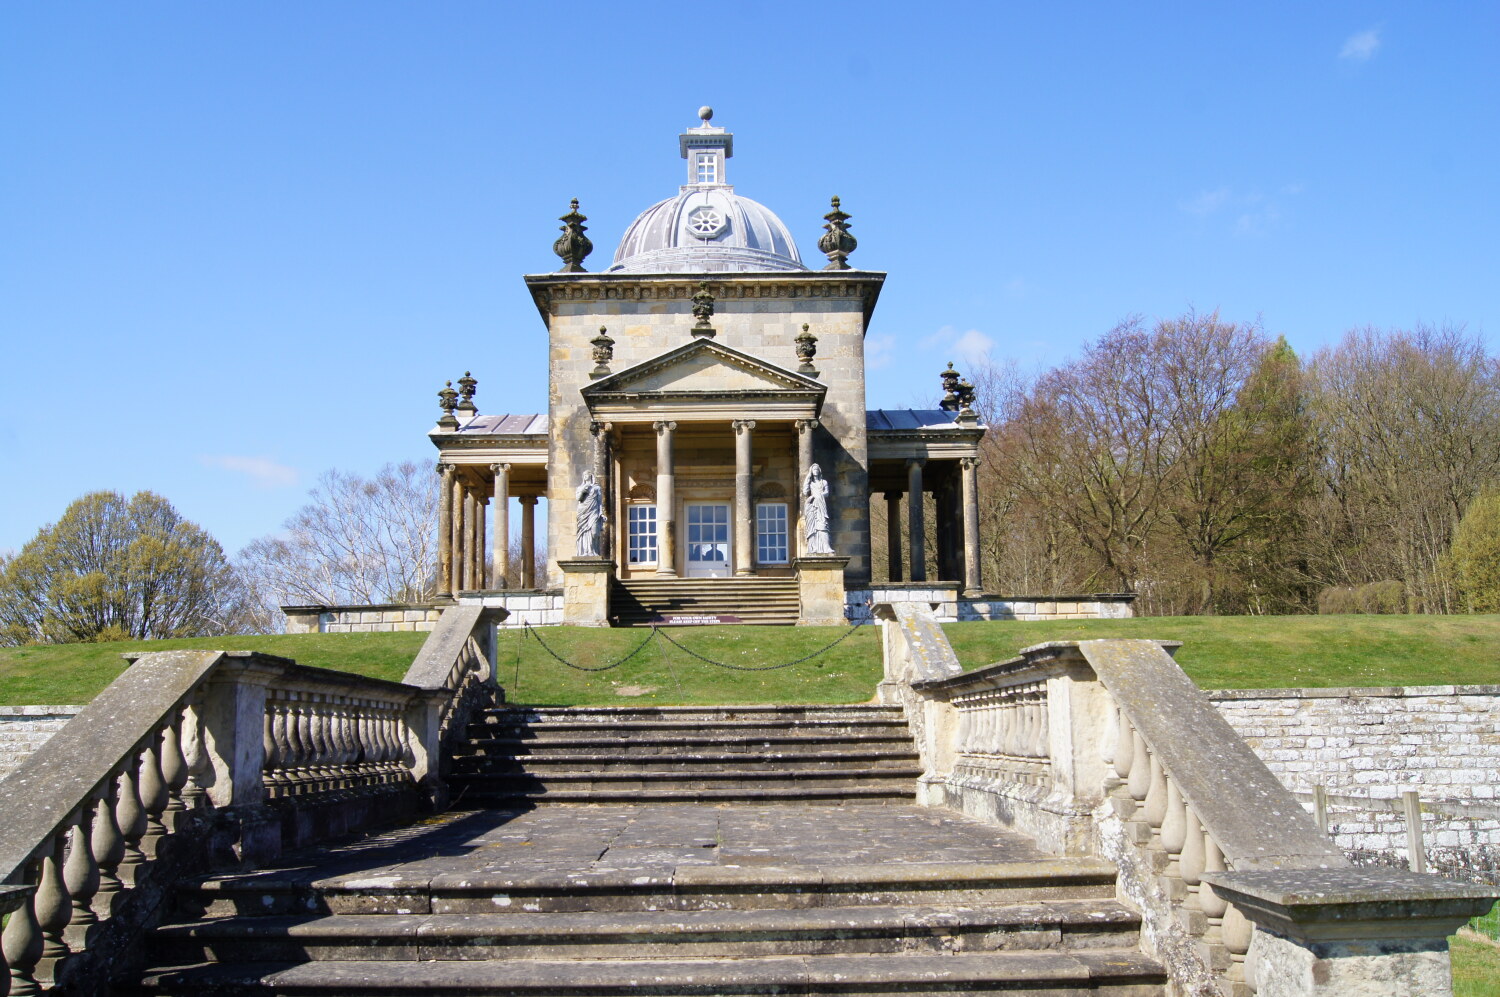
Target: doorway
x=708, y=540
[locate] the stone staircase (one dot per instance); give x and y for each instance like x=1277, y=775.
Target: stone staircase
x=638, y=602
x=746, y=754
x=689, y=875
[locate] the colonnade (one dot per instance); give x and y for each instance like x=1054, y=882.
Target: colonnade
x=462, y=508
x=957, y=528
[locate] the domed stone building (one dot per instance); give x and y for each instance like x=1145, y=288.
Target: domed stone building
x=700, y=378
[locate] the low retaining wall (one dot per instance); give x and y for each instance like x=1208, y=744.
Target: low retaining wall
x=535, y=607
x=1442, y=741
x=942, y=599
x=23, y=729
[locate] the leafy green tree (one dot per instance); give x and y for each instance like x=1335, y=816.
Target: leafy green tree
x=117, y=569
x=1475, y=555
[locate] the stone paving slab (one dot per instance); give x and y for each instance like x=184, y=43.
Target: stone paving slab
x=606, y=843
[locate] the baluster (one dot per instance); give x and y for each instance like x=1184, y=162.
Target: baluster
x=108, y=846
x=1124, y=747
x=965, y=729
x=1043, y=748
x=1174, y=828
x=323, y=738
x=1156, y=796
x=193, y=754
x=131, y=818
x=307, y=748
x=1209, y=901
x=348, y=745
x=22, y=940
x=1140, y=768
x=1190, y=863
x=278, y=748
x=1236, y=932
x=81, y=871
x=174, y=770
x=52, y=904
x=153, y=794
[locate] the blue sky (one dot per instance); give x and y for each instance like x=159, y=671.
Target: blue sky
x=244, y=243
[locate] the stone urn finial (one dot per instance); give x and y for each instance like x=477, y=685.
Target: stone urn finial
x=466, y=388
x=573, y=246
x=837, y=242
x=703, y=308
x=807, y=348
x=950, y=402
x=604, y=352
x=448, y=401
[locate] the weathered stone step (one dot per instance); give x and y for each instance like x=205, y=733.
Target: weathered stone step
x=1105, y=972
x=827, y=795
x=1066, y=924
x=798, y=745
x=682, y=888
x=685, y=761
x=642, y=777
x=786, y=714
x=622, y=729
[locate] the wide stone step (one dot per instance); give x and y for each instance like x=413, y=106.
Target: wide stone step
x=680, y=888
x=897, y=782
x=624, y=729
x=1067, y=924
x=688, y=761
x=541, y=714
x=799, y=745
x=1109, y=972
x=479, y=795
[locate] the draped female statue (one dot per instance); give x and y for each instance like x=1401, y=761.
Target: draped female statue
x=815, y=512
x=590, y=522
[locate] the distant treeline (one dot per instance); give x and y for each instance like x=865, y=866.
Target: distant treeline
x=1208, y=468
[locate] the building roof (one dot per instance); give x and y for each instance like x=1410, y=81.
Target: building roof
x=503, y=425
x=907, y=419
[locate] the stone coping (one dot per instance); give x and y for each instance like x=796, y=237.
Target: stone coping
x=12, y=897
x=362, y=607
x=1356, y=692
x=39, y=711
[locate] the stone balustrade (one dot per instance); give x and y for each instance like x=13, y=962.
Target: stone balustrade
x=198, y=759
x=1107, y=748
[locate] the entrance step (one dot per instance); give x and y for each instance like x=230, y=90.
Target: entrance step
x=686, y=754
x=639, y=602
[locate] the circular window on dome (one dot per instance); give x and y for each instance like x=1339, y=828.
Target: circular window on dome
x=705, y=222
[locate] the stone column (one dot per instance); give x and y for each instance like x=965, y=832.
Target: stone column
x=666, y=502
x=917, y=539
x=457, y=574
x=467, y=535
x=805, y=428
x=501, y=539
x=893, y=535
x=744, y=506
x=481, y=576
x=528, y=541
x=445, y=530
x=972, y=578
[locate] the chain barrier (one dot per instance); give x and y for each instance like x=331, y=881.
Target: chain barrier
x=531, y=631
x=528, y=630
x=754, y=668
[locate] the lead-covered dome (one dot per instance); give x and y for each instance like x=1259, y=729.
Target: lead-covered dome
x=707, y=227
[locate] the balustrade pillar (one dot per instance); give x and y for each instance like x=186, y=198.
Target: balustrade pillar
x=666, y=501
x=528, y=541
x=744, y=505
x=915, y=527
x=893, y=536
x=500, y=528
x=81, y=870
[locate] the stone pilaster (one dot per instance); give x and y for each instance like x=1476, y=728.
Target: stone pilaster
x=666, y=501
x=445, y=530
x=501, y=527
x=744, y=506
x=528, y=541
x=893, y=536
x=973, y=581
x=917, y=540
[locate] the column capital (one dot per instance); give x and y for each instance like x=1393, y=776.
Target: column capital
x=498, y=468
x=597, y=427
x=893, y=496
x=969, y=463
x=804, y=425
x=527, y=499
x=742, y=425
x=444, y=469
x=916, y=462
x=663, y=427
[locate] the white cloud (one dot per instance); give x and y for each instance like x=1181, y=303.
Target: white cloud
x=879, y=351
x=971, y=346
x=1206, y=202
x=1361, y=46
x=262, y=471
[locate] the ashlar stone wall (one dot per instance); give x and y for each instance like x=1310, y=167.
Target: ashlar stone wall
x=23, y=729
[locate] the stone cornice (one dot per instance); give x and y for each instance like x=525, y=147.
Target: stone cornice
x=550, y=289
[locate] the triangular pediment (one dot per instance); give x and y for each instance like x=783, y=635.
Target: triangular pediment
x=704, y=367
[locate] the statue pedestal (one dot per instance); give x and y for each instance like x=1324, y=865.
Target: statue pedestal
x=820, y=587
x=586, y=591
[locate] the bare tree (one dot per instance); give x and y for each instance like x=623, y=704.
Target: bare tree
x=357, y=541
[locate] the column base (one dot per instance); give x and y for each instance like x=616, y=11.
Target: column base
x=586, y=591
x=820, y=589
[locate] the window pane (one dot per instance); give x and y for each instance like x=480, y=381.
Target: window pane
x=642, y=534
x=771, y=533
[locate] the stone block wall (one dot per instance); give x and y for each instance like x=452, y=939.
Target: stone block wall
x=949, y=607
x=23, y=729
x=1442, y=741
x=540, y=609
x=360, y=619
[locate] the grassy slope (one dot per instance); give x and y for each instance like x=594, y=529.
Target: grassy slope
x=1476, y=966
x=1219, y=652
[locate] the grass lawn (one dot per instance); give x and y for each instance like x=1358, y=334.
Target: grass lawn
x=1476, y=966
x=1219, y=652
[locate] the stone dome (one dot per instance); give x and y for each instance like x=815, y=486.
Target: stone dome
x=707, y=227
